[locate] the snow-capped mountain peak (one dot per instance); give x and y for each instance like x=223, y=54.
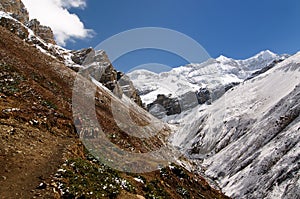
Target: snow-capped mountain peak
x=223, y=59
x=212, y=74
x=266, y=54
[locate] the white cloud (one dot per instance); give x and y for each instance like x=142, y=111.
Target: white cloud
x=74, y=3
x=54, y=13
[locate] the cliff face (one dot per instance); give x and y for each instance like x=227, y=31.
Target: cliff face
x=17, y=10
x=103, y=71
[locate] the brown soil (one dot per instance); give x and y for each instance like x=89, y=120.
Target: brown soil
x=37, y=133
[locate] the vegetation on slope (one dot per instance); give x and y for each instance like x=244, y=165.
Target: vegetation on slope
x=40, y=152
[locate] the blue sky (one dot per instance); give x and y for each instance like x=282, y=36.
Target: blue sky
x=234, y=28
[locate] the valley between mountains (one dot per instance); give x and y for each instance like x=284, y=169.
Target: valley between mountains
x=238, y=120
x=227, y=128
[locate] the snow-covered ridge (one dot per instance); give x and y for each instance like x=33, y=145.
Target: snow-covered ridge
x=211, y=74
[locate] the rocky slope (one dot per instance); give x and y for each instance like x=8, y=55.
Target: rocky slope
x=44, y=32
x=35, y=118
x=40, y=151
x=249, y=139
x=99, y=66
x=15, y=18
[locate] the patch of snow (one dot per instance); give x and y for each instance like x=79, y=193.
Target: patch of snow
x=5, y=15
x=139, y=180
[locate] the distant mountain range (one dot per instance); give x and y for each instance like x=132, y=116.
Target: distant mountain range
x=213, y=73
x=187, y=83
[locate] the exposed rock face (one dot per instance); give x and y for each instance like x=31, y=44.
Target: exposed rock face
x=128, y=88
x=164, y=105
x=99, y=67
x=203, y=95
x=44, y=32
x=79, y=56
x=17, y=10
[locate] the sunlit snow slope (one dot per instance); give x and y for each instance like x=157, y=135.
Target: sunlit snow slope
x=249, y=139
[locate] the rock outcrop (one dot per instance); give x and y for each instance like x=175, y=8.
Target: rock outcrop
x=44, y=32
x=17, y=10
x=128, y=88
x=167, y=105
x=79, y=56
x=164, y=105
x=98, y=65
